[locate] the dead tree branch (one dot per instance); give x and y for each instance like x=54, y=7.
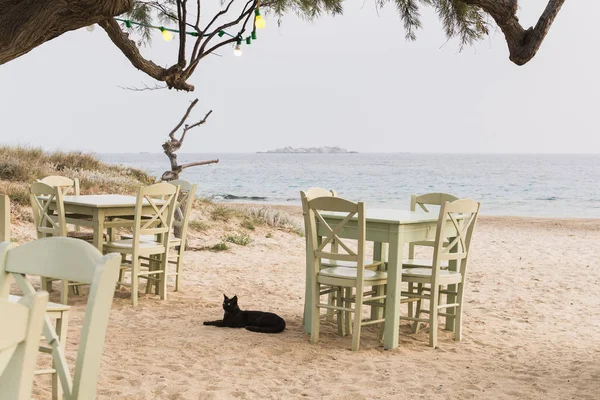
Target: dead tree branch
x=173, y=144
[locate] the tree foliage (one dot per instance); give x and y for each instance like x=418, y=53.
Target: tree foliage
x=26, y=24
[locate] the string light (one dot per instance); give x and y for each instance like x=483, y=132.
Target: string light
x=237, y=51
x=167, y=33
x=259, y=21
x=168, y=36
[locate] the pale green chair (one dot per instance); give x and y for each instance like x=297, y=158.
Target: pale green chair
x=340, y=278
x=431, y=283
x=68, y=186
x=19, y=340
x=67, y=259
x=141, y=255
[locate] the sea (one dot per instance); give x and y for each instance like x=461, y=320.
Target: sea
x=549, y=185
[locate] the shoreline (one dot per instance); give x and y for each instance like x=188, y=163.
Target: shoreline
x=296, y=210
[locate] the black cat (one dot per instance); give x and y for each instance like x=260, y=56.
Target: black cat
x=255, y=321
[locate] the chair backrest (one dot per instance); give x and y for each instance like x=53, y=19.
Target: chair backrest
x=340, y=249
x=67, y=185
x=159, y=220
x=44, y=198
x=454, y=244
x=4, y=218
x=421, y=203
x=74, y=260
x=317, y=192
x=22, y=324
x=183, y=207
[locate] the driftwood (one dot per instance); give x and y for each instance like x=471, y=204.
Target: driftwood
x=173, y=144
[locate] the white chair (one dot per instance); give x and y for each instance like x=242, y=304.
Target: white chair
x=161, y=197
x=339, y=278
x=74, y=260
x=178, y=238
x=433, y=282
x=425, y=202
x=68, y=186
x=19, y=340
x=50, y=220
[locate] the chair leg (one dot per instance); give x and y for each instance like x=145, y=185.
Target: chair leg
x=341, y=315
x=348, y=304
x=179, y=267
x=330, y=312
x=458, y=314
x=411, y=288
x=357, y=319
x=316, y=312
x=64, y=291
x=135, y=280
x=433, y=316
x=162, y=282
x=121, y=271
x=419, y=302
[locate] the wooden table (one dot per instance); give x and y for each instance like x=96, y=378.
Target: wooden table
x=395, y=227
x=60, y=313
x=102, y=208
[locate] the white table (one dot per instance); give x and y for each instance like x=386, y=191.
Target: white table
x=395, y=227
x=101, y=208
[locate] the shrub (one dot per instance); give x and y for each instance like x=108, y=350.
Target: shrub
x=239, y=239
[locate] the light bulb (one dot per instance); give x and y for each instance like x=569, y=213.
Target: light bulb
x=90, y=28
x=259, y=22
x=168, y=36
x=237, y=51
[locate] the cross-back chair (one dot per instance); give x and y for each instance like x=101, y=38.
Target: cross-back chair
x=74, y=260
x=178, y=238
x=431, y=283
x=340, y=277
x=144, y=254
x=19, y=340
x=50, y=220
x=67, y=185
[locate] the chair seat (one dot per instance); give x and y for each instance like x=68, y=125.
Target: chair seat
x=350, y=264
x=128, y=243
x=445, y=275
x=49, y=307
x=151, y=238
x=422, y=262
x=350, y=273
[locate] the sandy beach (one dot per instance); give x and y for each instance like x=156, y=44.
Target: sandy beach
x=531, y=327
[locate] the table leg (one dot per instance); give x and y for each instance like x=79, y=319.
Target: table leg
x=379, y=254
x=61, y=331
x=394, y=285
x=98, y=220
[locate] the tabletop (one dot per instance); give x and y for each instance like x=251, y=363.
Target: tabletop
x=389, y=216
x=104, y=200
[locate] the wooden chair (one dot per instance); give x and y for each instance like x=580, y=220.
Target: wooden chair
x=4, y=218
x=67, y=185
x=53, y=223
x=424, y=202
x=178, y=238
x=463, y=215
x=19, y=340
x=74, y=260
x=337, y=278
x=162, y=197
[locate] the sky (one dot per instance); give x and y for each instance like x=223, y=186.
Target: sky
x=351, y=81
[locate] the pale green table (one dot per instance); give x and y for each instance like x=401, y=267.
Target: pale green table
x=394, y=227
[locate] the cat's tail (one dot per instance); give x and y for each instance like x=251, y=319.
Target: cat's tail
x=268, y=329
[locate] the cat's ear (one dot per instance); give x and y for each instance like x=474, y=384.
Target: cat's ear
x=225, y=296
x=234, y=298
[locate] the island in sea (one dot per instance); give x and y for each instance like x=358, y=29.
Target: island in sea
x=309, y=150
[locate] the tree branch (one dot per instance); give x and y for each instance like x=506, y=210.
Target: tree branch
x=522, y=44
x=184, y=166
x=172, y=76
x=187, y=128
x=27, y=24
x=187, y=114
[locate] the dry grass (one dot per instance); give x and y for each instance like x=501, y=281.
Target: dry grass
x=19, y=166
x=275, y=218
x=241, y=239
